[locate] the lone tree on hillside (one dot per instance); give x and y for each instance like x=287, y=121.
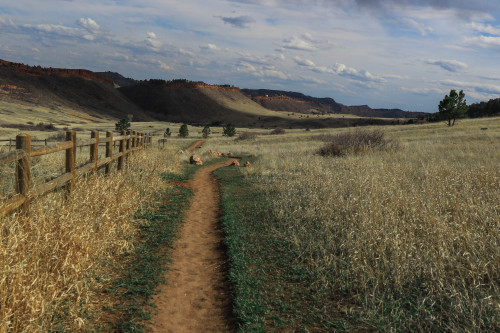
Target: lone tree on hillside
x=122, y=125
x=206, y=131
x=452, y=107
x=183, y=131
x=229, y=130
x=167, y=133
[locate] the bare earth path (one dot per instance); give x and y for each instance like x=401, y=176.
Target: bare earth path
x=196, y=297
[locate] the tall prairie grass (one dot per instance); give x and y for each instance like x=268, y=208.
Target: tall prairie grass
x=56, y=262
x=407, y=239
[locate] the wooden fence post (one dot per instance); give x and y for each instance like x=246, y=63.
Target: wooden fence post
x=129, y=134
x=121, y=150
x=70, y=162
x=94, y=150
x=109, y=151
x=133, y=139
x=23, y=141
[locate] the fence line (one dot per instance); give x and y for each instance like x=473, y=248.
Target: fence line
x=128, y=142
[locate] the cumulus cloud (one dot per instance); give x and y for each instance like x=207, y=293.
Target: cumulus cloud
x=89, y=24
x=301, y=44
x=153, y=42
x=261, y=71
x=449, y=65
x=358, y=75
x=238, y=21
x=483, y=28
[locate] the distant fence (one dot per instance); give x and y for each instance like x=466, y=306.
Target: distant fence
x=128, y=142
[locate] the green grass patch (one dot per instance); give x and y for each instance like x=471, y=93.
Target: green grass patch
x=272, y=290
x=147, y=264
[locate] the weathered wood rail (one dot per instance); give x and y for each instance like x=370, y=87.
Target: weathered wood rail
x=128, y=142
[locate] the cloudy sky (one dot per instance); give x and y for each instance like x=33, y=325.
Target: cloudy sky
x=385, y=53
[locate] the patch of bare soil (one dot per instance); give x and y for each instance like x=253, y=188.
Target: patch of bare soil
x=196, y=297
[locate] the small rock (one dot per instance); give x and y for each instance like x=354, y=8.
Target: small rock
x=195, y=159
x=181, y=152
x=235, y=163
x=247, y=164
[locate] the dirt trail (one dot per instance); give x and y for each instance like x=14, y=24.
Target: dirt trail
x=196, y=297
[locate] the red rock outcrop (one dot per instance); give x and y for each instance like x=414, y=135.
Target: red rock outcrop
x=38, y=71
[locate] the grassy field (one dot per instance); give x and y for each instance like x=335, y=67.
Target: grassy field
x=398, y=240
x=405, y=239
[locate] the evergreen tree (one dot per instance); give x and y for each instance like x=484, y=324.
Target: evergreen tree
x=184, y=131
x=452, y=107
x=206, y=131
x=229, y=130
x=122, y=125
x=167, y=133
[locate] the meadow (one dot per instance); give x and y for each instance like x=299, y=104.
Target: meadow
x=404, y=239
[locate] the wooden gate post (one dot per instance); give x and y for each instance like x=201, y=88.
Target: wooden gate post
x=23, y=141
x=109, y=152
x=94, y=150
x=122, y=149
x=70, y=162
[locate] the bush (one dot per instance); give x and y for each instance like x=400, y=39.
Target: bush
x=355, y=142
x=246, y=136
x=277, y=130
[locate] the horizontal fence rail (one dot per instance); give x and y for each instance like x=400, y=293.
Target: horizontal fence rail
x=128, y=142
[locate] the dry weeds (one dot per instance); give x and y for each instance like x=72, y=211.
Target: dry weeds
x=55, y=263
x=409, y=239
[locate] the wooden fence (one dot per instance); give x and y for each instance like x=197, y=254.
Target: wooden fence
x=128, y=142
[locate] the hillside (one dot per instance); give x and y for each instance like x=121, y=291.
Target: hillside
x=79, y=90
x=65, y=96
x=198, y=103
x=290, y=101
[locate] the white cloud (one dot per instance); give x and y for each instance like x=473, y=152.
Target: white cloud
x=163, y=65
x=304, y=62
x=211, y=47
x=88, y=24
x=355, y=74
x=486, y=42
x=488, y=29
x=422, y=28
x=153, y=42
x=296, y=43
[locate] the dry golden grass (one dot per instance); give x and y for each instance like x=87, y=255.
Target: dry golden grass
x=55, y=262
x=407, y=239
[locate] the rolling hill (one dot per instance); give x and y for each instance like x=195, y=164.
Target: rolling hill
x=290, y=101
x=65, y=96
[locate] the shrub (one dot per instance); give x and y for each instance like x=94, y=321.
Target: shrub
x=355, y=142
x=246, y=136
x=277, y=130
x=167, y=133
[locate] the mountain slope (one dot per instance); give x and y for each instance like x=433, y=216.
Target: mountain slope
x=290, y=101
x=195, y=103
x=75, y=89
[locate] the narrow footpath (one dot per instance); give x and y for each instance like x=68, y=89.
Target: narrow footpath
x=196, y=297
